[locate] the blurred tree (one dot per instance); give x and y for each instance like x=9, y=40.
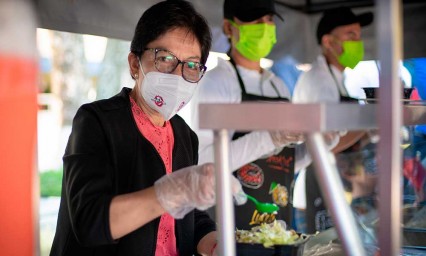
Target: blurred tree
x=114, y=72
x=69, y=79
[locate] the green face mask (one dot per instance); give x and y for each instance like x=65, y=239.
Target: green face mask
x=353, y=53
x=256, y=40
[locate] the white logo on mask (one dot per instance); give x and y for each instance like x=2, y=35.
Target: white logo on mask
x=166, y=93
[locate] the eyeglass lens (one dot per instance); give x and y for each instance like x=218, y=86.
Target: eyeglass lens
x=166, y=62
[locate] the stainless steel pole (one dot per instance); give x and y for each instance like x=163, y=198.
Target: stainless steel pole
x=389, y=31
x=332, y=188
x=224, y=200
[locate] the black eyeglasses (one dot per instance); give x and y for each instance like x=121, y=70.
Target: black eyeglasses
x=167, y=62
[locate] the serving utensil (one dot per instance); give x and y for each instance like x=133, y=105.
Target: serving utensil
x=263, y=207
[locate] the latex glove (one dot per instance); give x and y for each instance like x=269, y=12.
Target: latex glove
x=286, y=138
x=192, y=187
x=332, y=139
x=405, y=134
x=373, y=135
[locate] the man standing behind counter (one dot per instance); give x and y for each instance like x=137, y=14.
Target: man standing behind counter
x=250, y=28
x=339, y=35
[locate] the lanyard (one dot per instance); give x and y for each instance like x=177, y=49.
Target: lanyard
x=342, y=89
x=240, y=80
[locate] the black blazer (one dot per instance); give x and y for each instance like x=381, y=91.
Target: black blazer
x=106, y=155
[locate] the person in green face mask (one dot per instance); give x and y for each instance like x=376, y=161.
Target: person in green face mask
x=263, y=161
x=339, y=36
x=250, y=28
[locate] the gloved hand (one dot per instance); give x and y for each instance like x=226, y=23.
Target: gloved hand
x=331, y=139
x=192, y=187
x=285, y=138
x=373, y=135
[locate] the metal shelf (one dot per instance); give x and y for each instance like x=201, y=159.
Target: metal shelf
x=304, y=117
x=313, y=119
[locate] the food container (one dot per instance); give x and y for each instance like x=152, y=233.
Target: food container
x=371, y=92
x=295, y=249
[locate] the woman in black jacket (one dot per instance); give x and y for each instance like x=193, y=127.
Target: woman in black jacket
x=131, y=185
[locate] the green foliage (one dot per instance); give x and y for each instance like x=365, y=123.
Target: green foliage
x=51, y=183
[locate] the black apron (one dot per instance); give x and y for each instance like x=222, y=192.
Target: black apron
x=317, y=216
x=268, y=180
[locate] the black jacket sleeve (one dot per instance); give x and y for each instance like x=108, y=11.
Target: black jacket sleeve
x=88, y=180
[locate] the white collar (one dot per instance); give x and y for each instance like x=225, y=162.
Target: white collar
x=335, y=73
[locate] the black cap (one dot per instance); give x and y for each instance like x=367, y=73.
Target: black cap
x=248, y=10
x=339, y=17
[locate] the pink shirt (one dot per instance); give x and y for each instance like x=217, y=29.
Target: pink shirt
x=162, y=139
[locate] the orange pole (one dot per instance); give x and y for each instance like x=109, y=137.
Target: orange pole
x=18, y=112
x=18, y=135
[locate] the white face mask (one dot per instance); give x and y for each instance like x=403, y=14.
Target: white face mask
x=166, y=93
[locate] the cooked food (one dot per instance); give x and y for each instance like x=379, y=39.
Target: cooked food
x=269, y=235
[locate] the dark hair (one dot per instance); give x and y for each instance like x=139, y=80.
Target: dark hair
x=249, y=10
x=165, y=16
x=340, y=16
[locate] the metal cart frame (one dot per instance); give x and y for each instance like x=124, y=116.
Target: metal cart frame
x=318, y=118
